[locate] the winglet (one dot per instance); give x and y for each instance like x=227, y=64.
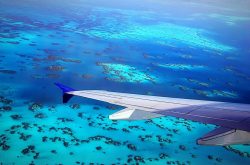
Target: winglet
x=65, y=89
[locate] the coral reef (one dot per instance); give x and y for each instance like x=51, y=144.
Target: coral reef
x=126, y=73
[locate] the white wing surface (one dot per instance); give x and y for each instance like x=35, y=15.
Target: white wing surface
x=232, y=119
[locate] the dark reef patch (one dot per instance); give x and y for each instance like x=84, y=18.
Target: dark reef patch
x=182, y=147
x=3, y=142
x=40, y=116
x=53, y=151
x=35, y=106
x=5, y=108
x=75, y=106
x=16, y=117
x=8, y=71
x=98, y=148
x=80, y=114
x=5, y=100
x=87, y=76
x=24, y=137
x=63, y=119
x=243, y=154
x=55, y=68
x=30, y=149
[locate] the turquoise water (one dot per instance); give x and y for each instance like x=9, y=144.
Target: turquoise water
x=197, y=50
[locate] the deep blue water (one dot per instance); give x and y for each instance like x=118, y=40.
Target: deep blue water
x=193, y=49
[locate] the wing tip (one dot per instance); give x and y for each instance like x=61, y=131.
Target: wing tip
x=65, y=89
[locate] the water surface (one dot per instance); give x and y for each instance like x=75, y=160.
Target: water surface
x=186, y=49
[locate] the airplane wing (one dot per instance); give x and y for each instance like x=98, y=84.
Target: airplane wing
x=232, y=119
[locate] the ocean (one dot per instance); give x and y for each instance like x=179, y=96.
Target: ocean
x=184, y=49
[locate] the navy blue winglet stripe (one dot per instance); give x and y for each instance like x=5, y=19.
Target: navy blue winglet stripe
x=64, y=88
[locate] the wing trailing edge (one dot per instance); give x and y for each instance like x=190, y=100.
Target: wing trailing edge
x=225, y=136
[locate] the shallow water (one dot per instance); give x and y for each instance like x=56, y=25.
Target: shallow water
x=193, y=49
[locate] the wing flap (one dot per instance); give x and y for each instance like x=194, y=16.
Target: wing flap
x=133, y=114
x=225, y=136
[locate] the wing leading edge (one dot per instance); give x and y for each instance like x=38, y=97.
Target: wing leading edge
x=233, y=119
